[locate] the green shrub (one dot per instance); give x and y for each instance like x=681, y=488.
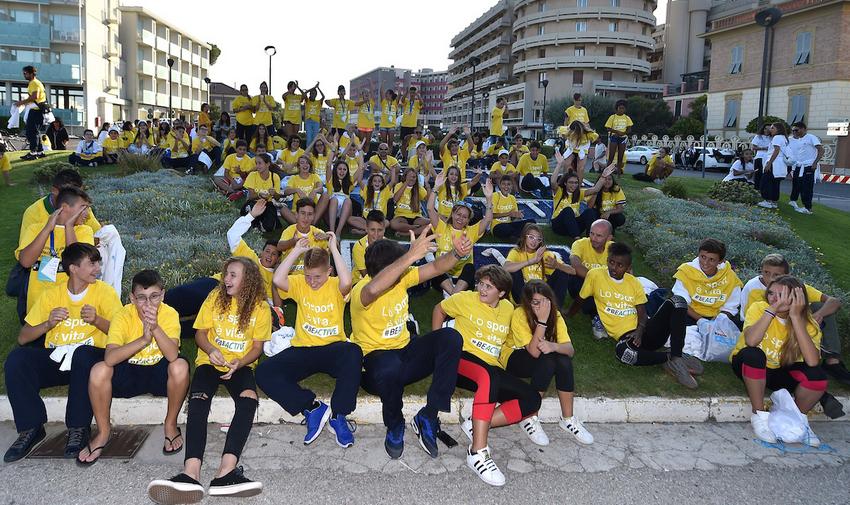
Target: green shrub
x=45, y=173
x=687, y=126
x=754, y=122
x=132, y=163
x=734, y=192
x=675, y=188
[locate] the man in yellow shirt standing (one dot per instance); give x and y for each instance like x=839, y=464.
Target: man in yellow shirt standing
x=36, y=102
x=244, y=114
x=496, y=115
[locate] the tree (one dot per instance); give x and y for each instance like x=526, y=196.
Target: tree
x=215, y=111
x=754, y=123
x=696, y=107
x=598, y=109
x=649, y=116
x=687, y=126
x=215, y=52
x=555, y=110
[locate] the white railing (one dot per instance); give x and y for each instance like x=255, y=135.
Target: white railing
x=718, y=142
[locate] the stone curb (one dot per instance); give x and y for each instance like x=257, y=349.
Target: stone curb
x=151, y=411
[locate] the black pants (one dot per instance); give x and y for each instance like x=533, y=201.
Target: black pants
x=492, y=385
x=568, y=225
x=204, y=384
x=75, y=159
x=752, y=362
x=279, y=376
x=804, y=186
x=758, y=167
x=542, y=368
x=616, y=220
x=187, y=300
x=574, y=285
x=386, y=373
x=668, y=321
x=770, y=186
x=268, y=220
x=511, y=229
x=466, y=274
x=558, y=281
x=530, y=183
x=244, y=132
x=187, y=162
x=34, y=120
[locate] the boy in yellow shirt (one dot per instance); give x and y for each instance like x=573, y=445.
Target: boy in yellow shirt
x=302, y=228
x=319, y=344
x=496, y=115
x=142, y=357
x=74, y=316
x=232, y=173
x=621, y=304
x=533, y=168
x=376, y=226
x=182, y=155
x=203, y=143
x=708, y=284
x=6, y=165
x=112, y=146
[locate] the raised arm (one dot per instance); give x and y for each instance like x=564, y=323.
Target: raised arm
x=342, y=270
x=468, y=134
x=281, y=274
x=609, y=170
x=433, y=215
x=446, y=139
x=419, y=247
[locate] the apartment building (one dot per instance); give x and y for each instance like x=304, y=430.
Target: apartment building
x=431, y=84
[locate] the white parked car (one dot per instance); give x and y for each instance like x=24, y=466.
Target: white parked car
x=640, y=154
x=715, y=159
x=549, y=142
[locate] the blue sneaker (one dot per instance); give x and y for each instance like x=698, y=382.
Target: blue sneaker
x=343, y=429
x=426, y=429
x=537, y=194
x=315, y=420
x=394, y=443
x=599, y=329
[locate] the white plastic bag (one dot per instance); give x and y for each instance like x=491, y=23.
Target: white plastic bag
x=280, y=340
x=719, y=337
x=786, y=421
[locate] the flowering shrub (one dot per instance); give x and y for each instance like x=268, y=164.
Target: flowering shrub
x=45, y=173
x=675, y=187
x=175, y=225
x=735, y=192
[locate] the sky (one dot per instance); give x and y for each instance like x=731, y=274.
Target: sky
x=383, y=34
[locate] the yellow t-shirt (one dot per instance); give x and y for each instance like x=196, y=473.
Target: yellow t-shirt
x=312, y=110
x=521, y=334
x=319, y=319
x=178, y=150
x=383, y=324
x=143, y=141
x=344, y=141
x=458, y=160
x=289, y=157
x=496, y=116
x=204, y=119
x=6, y=165
x=289, y=233
x=245, y=118
x=503, y=204
x=232, y=162
x=39, y=212
x=306, y=185
x=410, y=112
x=522, y=150
x=257, y=183
x=366, y=115
x=577, y=114
x=654, y=161
x=708, y=295
x=127, y=137
x=74, y=330
x=760, y=295
x=534, y=270
x=341, y=109
x=197, y=147
x=484, y=329
x=35, y=86
x=619, y=123
x=402, y=207
x=224, y=330
x=163, y=141
x=262, y=113
x=383, y=165
x=272, y=143
x=36, y=287
x=445, y=245
x=610, y=200
x=564, y=201
x=590, y=259
x=505, y=169
x=319, y=162
x=527, y=165
x=126, y=326
x=358, y=259
x=292, y=109
x=112, y=146
x=379, y=201
x=422, y=168
x=616, y=301
x=446, y=203
x=389, y=113
x=774, y=337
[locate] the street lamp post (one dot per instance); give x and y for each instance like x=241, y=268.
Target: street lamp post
x=271, y=51
x=766, y=18
x=208, y=81
x=545, y=86
x=474, y=61
x=170, y=91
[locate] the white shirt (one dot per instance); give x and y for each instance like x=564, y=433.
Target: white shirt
x=779, y=168
x=738, y=167
x=761, y=141
x=806, y=150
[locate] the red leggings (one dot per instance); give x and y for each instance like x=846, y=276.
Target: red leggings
x=493, y=385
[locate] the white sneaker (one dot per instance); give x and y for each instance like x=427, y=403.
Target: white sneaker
x=599, y=329
x=760, y=426
x=466, y=427
x=532, y=428
x=765, y=204
x=659, y=181
x=803, y=210
x=774, y=205
x=793, y=204
x=814, y=441
x=574, y=426
x=484, y=466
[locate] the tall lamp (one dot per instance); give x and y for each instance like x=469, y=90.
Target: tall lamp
x=766, y=18
x=271, y=51
x=170, y=92
x=474, y=61
x=545, y=86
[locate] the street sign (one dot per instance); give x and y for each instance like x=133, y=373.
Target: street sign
x=838, y=127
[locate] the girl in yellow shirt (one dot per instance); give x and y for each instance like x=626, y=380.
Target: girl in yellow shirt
x=292, y=108
x=508, y=220
x=780, y=349
x=538, y=347
x=204, y=117
x=408, y=195
x=619, y=127
x=228, y=147
x=476, y=152
x=262, y=184
x=483, y=320
x=455, y=190
x=319, y=151
x=578, y=140
x=365, y=111
x=261, y=136
x=530, y=259
x=289, y=156
x=263, y=105
x=376, y=195
x=610, y=202
x=233, y=324
x=312, y=113
x=340, y=182
x=163, y=136
x=574, y=206
x=144, y=139
x=244, y=114
x=658, y=168
x=305, y=184
x=389, y=116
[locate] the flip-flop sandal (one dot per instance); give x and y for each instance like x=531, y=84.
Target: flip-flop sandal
x=171, y=442
x=86, y=464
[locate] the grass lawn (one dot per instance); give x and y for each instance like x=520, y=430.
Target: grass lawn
x=597, y=372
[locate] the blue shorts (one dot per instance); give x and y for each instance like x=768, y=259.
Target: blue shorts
x=617, y=140
x=387, y=130
x=129, y=380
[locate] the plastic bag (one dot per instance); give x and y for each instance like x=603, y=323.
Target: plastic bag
x=786, y=421
x=719, y=337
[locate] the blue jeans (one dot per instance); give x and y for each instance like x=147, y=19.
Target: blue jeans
x=312, y=128
x=34, y=120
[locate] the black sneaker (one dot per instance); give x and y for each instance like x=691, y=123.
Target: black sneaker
x=831, y=406
x=178, y=489
x=77, y=439
x=837, y=371
x=235, y=484
x=26, y=441
x=29, y=157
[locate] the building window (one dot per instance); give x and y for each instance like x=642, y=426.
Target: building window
x=731, y=120
x=579, y=51
x=581, y=26
x=541, y=30
x=615, y=3
x=737, y=61
x=678, y=109
x=804, y=48
x=612, y=26
x=541, y=53
x=581, y=3
x=543, y=7
x=798, y=108
x=609, y=51
x=66, y=98
x=607, y=75
x=578, y=78
x=540, y=78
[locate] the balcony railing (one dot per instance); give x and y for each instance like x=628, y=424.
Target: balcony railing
x=17, y=34
x=71, y=117
x=67, y=36
x=47, y=72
